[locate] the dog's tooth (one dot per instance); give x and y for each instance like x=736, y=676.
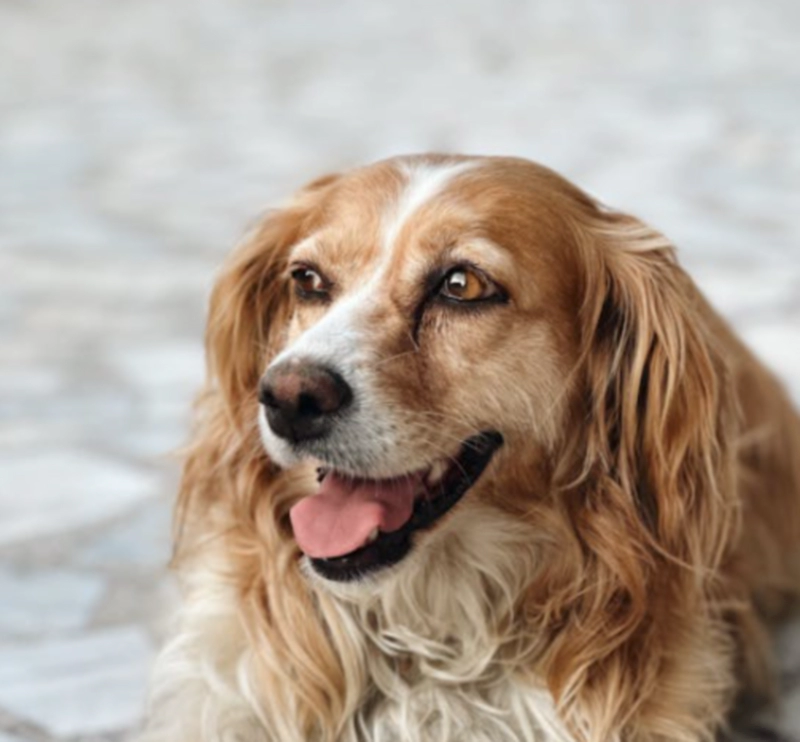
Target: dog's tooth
x=437, y=471
x=373, y=535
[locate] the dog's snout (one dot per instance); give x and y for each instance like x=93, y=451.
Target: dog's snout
x=300, y=399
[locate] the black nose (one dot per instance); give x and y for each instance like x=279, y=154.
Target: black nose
x=300, y=399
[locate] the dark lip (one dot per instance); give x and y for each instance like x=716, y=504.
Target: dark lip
x=390, y=548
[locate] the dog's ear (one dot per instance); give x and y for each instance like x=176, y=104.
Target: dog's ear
x=251, y=301
x=660, y=405
x=249, y=310
x=652, y=501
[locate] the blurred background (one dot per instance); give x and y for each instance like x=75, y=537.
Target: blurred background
x=139, y=138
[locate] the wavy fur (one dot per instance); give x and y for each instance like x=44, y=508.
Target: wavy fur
x=614, y=580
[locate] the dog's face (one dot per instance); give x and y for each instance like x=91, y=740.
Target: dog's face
x=427, y=353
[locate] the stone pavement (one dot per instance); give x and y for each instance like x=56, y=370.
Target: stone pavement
x=137, y=140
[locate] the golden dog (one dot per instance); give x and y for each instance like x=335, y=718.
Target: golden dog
x=475, y=461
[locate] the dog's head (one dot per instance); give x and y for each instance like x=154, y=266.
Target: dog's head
x=465, y=376
x=433, y=334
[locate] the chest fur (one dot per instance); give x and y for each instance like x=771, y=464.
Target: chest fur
x=441, y=712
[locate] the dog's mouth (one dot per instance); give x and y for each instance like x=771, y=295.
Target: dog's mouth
x=352, y=526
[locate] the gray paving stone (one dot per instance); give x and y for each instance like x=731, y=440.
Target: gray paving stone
x=45, y=602
x=81, y=685
x=52, y=491
x=778, y=345
x=139, y=540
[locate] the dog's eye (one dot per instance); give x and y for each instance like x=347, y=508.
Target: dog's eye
x=309, y=283
x=465, y=284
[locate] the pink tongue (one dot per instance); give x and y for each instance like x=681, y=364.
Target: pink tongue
x=341, y=516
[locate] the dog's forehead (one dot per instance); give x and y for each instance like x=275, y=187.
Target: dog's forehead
x=382, y=229
x=368, y=215
x=424, y=185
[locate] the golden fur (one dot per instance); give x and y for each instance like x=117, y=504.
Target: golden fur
x=614, y=572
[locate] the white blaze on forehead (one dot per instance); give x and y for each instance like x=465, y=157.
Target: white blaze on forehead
x=424, y=181
x=341, y=334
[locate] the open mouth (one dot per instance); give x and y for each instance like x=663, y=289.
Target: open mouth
x=353, y=527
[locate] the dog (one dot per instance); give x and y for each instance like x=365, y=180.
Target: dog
x=475, y=461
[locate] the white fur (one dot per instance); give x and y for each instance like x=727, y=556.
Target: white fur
x=463, y=685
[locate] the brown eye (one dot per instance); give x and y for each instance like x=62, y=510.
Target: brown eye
x=465, y=284
x=309, y=283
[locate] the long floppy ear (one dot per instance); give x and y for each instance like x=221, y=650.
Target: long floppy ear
x=230, y=488
x=653, y=505
x=231, y=517
x=248, y=313
x=662, y=414
x=250, y=301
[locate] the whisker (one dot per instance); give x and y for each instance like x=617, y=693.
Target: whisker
x=382, y=361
